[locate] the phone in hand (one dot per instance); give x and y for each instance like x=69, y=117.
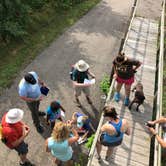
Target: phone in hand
x=149, y=125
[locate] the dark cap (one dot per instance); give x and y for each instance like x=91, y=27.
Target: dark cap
x=30, y=78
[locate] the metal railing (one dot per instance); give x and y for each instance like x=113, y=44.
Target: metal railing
x=92, y=150
x=157, y=147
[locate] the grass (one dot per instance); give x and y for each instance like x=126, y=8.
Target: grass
x=45, y=26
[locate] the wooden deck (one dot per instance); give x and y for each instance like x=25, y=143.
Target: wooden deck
x=135, y=149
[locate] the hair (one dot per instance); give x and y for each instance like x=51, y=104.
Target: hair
x=54, y=105
x=30, y=78
x=60, y=132
x=121, y=57
x=84, y=118
x=110, y=112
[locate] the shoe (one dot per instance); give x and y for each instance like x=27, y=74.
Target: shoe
x=126, y=101
x=41, y=113
x=117, y=96
x=40, y=129
x=89, y=100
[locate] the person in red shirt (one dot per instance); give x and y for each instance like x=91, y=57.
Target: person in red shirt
x=14, y=131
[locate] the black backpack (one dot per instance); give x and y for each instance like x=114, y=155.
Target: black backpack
x=71, y=72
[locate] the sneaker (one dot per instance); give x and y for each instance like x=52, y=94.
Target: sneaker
x=41, y=113
x=40, y=129
x=117, y=96
x=126, y=101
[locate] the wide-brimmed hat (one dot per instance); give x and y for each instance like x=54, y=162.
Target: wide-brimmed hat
x=14, y=115
x=80, y=122
x=81, y=66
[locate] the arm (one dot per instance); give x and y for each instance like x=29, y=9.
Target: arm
x=137, y=66
x=46, y=145
x=91, y=74
x=161, y=120
x=159, y=139
x=74, y=138
x=27, y=98
x=62, y=108
x=26, y=131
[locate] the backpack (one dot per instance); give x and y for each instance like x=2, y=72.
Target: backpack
x=71, y=72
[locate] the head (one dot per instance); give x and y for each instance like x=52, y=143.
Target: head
x=14, y=115
x=29, y=78
x=82, y=66
x=60, y=131
x=81, y=120
x=110, y=112
x=54, y=106
x=120, y=58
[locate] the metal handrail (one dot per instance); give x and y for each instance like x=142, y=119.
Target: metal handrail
x=157, y=147
x=92, y=150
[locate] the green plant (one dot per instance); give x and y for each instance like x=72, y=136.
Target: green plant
x=105, y=84
x=90, y=141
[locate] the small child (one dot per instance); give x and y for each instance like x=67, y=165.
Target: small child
x=83, y=125
x=54, y=112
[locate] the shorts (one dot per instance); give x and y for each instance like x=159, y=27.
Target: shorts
x=109, y=144
x=78, y=90
x=126, y=82
x=22, y=148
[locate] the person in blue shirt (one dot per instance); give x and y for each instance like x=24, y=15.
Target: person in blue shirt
x=84, y=126
x=29, y=91
x=54, y=112
x=112, y=132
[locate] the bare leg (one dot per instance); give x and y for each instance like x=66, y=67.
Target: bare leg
x=118, y=87
x=109, y=153
x=99, y=147
x=127, y=90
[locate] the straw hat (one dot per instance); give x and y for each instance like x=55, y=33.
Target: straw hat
x=81, y=66
x=14, y=115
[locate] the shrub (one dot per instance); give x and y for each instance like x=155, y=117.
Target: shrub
x=105, y=84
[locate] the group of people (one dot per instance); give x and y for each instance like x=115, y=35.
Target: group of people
x=65, y=133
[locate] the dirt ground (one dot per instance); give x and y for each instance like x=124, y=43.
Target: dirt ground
x=95, y=38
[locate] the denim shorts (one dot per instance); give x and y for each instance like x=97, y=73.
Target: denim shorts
x=22, y=148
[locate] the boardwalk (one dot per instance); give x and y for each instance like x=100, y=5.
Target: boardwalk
x=142, y=45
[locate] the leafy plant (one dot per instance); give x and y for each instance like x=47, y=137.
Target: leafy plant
x=105, y=84
x=90, y=141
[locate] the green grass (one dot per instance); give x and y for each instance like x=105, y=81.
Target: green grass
x=46, y=25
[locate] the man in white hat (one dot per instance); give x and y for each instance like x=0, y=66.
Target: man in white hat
x=81, y=73
x=14, y=131
x=29, y=91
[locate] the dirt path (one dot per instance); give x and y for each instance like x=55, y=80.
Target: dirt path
x=94, y=38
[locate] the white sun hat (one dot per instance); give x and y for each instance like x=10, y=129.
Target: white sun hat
x=81, y=66
x=14, y=115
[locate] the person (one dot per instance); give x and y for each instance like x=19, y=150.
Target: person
x=54, y=112
x=80, y=73
x=29, y=91
x=162, y=121
x=112, y=132
x=59, y=144
x=84, y=127
x=14, y=131
x=124, y=70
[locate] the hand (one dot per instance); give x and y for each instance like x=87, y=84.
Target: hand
x=40, y=98
x=152, y=130
x=115, y=76
x=26, y=130
x=151, y=122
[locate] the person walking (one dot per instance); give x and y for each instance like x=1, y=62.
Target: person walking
x=29, y=91
x=59, y=144
x=124, y=70
x=112, y=132
x=80, y=73
x=14, y=131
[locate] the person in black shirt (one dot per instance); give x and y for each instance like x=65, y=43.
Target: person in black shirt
x=124, y=69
